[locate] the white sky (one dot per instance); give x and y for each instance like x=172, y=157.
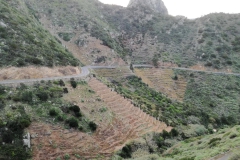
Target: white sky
x=192, y=8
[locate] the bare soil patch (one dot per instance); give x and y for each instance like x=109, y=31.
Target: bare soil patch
x=32, y=72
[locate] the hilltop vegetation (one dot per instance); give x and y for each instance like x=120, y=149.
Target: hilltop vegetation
x=23, y=41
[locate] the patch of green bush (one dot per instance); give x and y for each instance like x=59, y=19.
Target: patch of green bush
x=126, y=152
x=42, y=95
x=74, y=108
x=53, y=112
x=73, y=122
x=214, y=140
x=92, y=126
x=66, y=36
x=73, y=83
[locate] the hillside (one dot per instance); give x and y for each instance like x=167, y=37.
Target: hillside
x=24, y=42
x=139, y=35
x=118, y=111
x=221, y=145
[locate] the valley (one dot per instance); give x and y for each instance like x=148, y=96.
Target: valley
x=80, y=79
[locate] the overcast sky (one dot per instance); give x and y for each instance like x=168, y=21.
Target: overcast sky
x=192, y=8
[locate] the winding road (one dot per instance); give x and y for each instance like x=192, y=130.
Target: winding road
x=85, y=71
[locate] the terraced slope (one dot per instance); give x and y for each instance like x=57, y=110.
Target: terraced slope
x=162, y=80
x=115, y=72
x=120, y=123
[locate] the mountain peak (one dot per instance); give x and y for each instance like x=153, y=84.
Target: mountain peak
x=156, y=5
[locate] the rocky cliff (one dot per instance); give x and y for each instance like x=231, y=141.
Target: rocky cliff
x=156, y=5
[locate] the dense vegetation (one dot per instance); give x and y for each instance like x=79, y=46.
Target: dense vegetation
x=24, y=104
x=23, y=41
x=215, y=94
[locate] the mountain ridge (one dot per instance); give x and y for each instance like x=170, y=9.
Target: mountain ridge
x=156, y=5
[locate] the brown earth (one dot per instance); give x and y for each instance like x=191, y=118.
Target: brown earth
x=88, y=50
x=32, y=72
x=121, y=123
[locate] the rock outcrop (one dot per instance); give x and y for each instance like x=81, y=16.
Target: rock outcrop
x=156, y=5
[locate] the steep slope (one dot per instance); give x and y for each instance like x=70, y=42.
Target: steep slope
x=23, y=41
x=81, y=27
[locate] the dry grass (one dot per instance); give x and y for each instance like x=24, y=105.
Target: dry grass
x=32, y=72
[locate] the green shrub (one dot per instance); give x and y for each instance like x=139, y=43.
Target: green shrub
x=73, y=122
x=103, y=109
x=214, y=140
x=165, y=134
x=27, y=96
x=188, y=158
x=61, y=83
x=42, y=95
x=66, y=156
x=60, y=117
x=73, y=83
x=126, y=152
x=77, y=156
x=74, y=108
x=92, y=126
x=78, y=114
x=174, y=132
x=2, y=89
x=66, y=36
x=53, y=112
x=65, y=90
x=24, y=122
x=232, y=136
